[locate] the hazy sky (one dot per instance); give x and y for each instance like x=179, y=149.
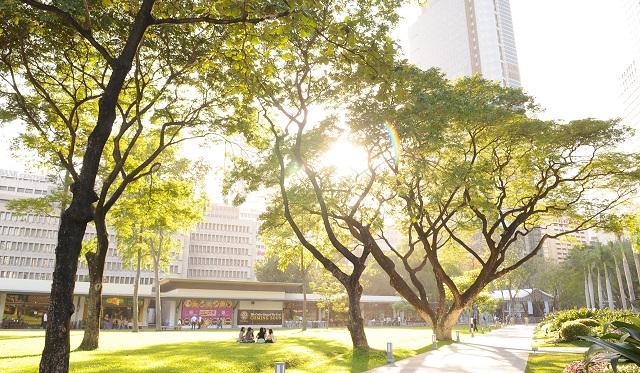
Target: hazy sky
x=570, y=52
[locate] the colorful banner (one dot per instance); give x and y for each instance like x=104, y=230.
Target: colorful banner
x=260, y=317
x=209, y=309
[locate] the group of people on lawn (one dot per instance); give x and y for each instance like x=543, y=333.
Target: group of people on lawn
x=261, y=337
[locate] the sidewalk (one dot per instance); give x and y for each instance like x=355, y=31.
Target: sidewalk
x=504, y=350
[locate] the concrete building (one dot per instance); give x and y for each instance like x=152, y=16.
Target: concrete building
x=466, y=37
x=556, y=250
x=630, y=78
x=223, y=247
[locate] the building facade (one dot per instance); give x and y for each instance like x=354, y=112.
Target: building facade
x=466, y=37
x=630, y=78
x=223, y=247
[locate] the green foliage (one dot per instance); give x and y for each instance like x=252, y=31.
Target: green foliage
x=589, y=322
x=622, y=345
x=571, y=330
x=557, y=318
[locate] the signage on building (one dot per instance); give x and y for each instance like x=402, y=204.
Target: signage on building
x=19, y=175
x=259, y=317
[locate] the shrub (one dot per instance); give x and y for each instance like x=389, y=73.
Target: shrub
x=589, y=322
x=620, y=346
x=570, y=330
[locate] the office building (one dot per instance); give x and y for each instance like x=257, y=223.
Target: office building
x=466, y=37
x=630, y=78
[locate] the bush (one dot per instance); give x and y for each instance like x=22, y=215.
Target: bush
x=570, y=330
x=589, y=322
x=557, y=318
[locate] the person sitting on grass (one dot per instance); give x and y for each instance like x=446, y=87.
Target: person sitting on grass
x=261, y=335
x=270, y=337
x=249, y=336
x=241, y=336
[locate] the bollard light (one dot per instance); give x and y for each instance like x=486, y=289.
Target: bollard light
x=434, y=340
x=534, y=349
x=457, y=336
x=389, y=352
x=472, y=335
x=280, y=367
x=482, y=329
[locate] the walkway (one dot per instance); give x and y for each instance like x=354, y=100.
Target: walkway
x=504, y=350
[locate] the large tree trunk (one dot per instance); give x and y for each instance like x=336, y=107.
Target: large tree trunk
x=623, y=296
x=356, y=321
x=443, y=326
x=55, y=356
x=95, y=263
x=609, y=291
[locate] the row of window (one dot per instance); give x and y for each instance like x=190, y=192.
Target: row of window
x=218, y=238
x=27, y=246
x=218, y=250
x=26, y=262
x=23, y=190
x=218, y=273
x=31, y=218
x=28, y=232
x=219, y=261
x=26, y=275
x=224, y=227
x=117, y=279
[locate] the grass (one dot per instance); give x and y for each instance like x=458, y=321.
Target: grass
x=550, y=362
x=315, y=350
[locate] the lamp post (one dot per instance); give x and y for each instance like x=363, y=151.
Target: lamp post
x=280, y=367
x=433, y=339
x=457, y=336
x=389, y=352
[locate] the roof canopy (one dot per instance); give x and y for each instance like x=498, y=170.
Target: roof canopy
x=522, y=295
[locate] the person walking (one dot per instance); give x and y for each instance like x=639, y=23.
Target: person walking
x=220, y=322
x=194, y=320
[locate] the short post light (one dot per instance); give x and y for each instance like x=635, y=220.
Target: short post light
x=457, y=336
x=434, y=340
x=482, y=329
x=280, y=367
x=534, y=349
x=389, y=352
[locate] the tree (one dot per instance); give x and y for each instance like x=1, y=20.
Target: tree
x=346, y=48
x=165, y=203
x=69, y=69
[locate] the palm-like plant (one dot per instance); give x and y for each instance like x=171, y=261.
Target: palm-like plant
x=622, y=345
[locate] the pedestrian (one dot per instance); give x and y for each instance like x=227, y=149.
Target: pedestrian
x=194, y=320
x=526, y=321
x=44, y=321
x=220, y=322
x=199, y=322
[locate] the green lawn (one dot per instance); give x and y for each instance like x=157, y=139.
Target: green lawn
x=549, y=362
x=316, y=350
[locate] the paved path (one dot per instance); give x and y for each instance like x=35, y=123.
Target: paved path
x=504, y=350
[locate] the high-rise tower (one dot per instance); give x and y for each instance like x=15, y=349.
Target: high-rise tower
x=630, y=78
x=465, y=37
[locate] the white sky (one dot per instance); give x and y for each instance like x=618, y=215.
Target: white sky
x=570, y=52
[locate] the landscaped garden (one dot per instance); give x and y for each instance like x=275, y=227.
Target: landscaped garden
x=325, y=350
x=563, y=331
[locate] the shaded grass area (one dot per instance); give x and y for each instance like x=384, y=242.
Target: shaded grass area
x=550, y=362
x=315, y=350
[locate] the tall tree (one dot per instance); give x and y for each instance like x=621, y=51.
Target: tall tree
x=70, y=68
x=346, y=48
x=165, y=203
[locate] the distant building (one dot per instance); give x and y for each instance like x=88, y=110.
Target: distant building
x=630, y=78
x=223, y=247
x=466, y=37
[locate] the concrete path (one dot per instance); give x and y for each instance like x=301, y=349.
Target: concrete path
x=504, y=350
